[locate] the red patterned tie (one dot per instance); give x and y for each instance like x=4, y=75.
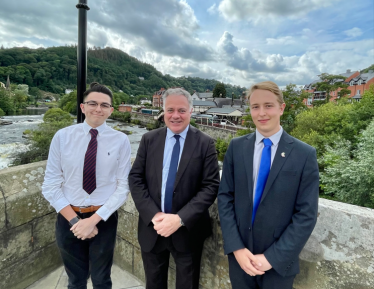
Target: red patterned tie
x=89, y=170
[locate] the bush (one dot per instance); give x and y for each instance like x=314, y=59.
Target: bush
x=222, y=146
x=40, y=139
x=193, y=123
x=121, y=116
x=2, y=113
x=347, y=179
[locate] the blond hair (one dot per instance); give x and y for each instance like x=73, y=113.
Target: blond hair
x=267, y=85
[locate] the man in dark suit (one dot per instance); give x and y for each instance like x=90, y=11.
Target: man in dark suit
x=268, y=197
x=173, y=181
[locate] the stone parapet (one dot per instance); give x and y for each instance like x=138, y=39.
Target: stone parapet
x=27, y=227
x=339, y=254
x=216, y=132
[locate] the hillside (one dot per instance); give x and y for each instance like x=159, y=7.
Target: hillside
x=54, y=69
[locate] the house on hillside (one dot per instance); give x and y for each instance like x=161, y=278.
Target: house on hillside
x=357, y=83
x=67, y=91
x=157, y=97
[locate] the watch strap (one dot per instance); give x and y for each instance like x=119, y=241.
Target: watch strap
x=73, y=221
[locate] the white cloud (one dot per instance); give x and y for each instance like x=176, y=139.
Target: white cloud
x=354, y=32
x=236, y=10
x=212, y=9
x=244, y=59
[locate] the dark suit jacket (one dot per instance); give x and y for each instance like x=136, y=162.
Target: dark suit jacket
x=288, y=209
x=195, y=187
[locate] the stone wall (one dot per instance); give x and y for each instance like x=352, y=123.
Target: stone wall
x=143, y=118
x=339, y=253
x=27, y=225
x=215, y=132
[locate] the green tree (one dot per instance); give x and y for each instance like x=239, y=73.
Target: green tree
x=294, y=99
x=68, y=102
x=351, y=179
x=2, y=113
x=6, y=103
x=329, y=83
x=219, y=90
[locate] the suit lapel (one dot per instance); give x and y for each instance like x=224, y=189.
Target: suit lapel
x=158, y=146
x=188, y=149
x=248, y=151
x=285, y=147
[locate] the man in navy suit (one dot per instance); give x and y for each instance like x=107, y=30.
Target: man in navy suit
x=268, y=197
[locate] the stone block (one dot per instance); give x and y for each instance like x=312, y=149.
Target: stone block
x=138, y=265
x=15, y=244
x=44, y=230
x=128, y=227
x=25, y=272
x=129, y=206
x=26, y=206
x=2, y=212
x=21, y=186
x=214, y=273
x=171, y=277
x=124, y=255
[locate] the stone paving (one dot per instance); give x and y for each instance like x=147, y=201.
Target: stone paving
x=59, y=280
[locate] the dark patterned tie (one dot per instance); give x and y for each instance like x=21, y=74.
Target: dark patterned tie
x=89, y=170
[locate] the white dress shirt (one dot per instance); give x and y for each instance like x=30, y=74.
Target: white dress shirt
x=169, y=145
x=63, y=181
x=259, y=145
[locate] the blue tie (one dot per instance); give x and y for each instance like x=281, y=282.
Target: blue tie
x=168, y=201
x=263, y=174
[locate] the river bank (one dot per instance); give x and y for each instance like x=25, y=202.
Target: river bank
x=12, y=140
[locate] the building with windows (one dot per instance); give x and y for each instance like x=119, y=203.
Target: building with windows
x=357, y=82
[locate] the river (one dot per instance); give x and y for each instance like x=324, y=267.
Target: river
x=11, y=140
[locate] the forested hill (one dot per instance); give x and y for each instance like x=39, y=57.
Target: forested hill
x=54, y=69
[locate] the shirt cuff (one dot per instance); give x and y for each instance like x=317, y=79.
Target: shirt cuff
x=104, y=213
x=60, y=204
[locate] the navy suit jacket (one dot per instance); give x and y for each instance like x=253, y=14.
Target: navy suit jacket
x=288, y=209
x=195, y=188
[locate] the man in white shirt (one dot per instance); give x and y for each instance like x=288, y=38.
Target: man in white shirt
x=268, y=197
x=86, y=182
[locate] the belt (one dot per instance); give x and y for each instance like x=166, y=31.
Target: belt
x=89, y=209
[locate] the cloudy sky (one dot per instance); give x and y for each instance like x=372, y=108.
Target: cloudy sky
x=235, y=41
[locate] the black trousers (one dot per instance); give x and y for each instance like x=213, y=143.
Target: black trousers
x=156, y=264
x=91, y=256
x=270, y=280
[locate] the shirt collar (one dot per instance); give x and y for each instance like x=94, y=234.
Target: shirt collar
x=87, y=128
x=183, y=134
x=275, y=138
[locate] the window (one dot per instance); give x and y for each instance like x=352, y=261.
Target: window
x=358, y=91
x=333, y=93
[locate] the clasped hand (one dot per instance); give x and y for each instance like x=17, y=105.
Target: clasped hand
x=84, y=229
x=166, y=224
x=252, y=264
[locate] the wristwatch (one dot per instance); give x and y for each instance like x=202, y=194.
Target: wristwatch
x=181, y=222
x=73, y=221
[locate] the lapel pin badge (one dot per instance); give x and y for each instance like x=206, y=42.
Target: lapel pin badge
x=283, y=155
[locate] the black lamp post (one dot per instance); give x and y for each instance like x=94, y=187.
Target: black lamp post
x=81, y=55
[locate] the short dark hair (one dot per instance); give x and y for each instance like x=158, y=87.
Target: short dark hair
x=97, y=87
